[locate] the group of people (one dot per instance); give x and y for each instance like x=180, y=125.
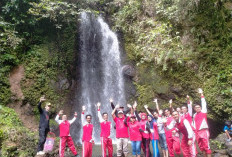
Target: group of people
x=174, y=130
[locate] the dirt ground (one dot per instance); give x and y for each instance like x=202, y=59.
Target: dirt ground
x=24, y=111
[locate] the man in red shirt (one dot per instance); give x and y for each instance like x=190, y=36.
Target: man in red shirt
x=201, y=125
x=188, y=137
x=106, y=141
x=187, y=112
x=65, y=136
x=121, y=132
x=87, y=140
x=172, y=137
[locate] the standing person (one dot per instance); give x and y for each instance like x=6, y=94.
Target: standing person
x=145, y=128
x=201, y=125
x=187, y=112
x=228, y=130
x=43, y=125
x=135, y=135
x=188, y=137
x=87, y=140
x=65, y=136
x=121, y=132
x=159, y=120
x=172, y=137
x=154, y=136
x=106, y=141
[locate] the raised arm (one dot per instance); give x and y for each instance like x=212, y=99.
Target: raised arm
x=157, y=105
x=136, y=112
x=40, y=103
x=83, y=115
x=146, y=108
x=74, y=118
x=58, y=116
x=113, y=112
x=170, y=105
x=203, y=102
x=190, y=108
x=99, y=113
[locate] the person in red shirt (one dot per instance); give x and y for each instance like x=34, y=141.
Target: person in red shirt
x=201, y=125
x=65, y=136
x=121, y=132
x=106, y=141
x=154, y=135
x=172, y=137
x=87, y=140
x=188, y=137
x=135, y=135
x=187, y=111
x=145, y=131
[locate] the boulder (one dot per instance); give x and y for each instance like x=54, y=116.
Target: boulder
x=221, y=151
x=64, y=84
x=128, y=70
x=229, y=148
x=221, y=138
x=220, y=155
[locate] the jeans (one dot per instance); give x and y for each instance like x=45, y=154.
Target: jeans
x=162, y=141
x=136, y=147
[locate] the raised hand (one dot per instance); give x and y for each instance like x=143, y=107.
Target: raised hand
x=187, y=96
x=155, y=101
x=42, y=99
x=200, y=91
x=98, y=104
x=83, y=108
x=135, y=104
x=145, y=106
x=111, y=100
x=75, y=114
x=128, y=105
x=170, y=101
x=61, y=112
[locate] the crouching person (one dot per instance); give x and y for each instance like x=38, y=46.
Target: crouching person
x=65, y=136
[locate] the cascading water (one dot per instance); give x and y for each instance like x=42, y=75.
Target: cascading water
x=100, y=69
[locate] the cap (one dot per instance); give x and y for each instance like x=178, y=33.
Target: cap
x=120, y=111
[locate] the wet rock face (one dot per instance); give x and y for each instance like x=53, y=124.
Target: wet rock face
x=128, y=70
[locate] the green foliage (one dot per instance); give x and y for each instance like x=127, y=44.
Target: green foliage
x=15, y=140
x=186, y=43
x=38, y=75
x=217, y=144
x=57, y=11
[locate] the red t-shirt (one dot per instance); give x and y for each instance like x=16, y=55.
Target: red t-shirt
x=135, y=134
x=121, y=128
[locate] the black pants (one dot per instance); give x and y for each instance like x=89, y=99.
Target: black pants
x=146, y=147
x=43, y=132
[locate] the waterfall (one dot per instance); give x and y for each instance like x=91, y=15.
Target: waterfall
x=100, y=69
